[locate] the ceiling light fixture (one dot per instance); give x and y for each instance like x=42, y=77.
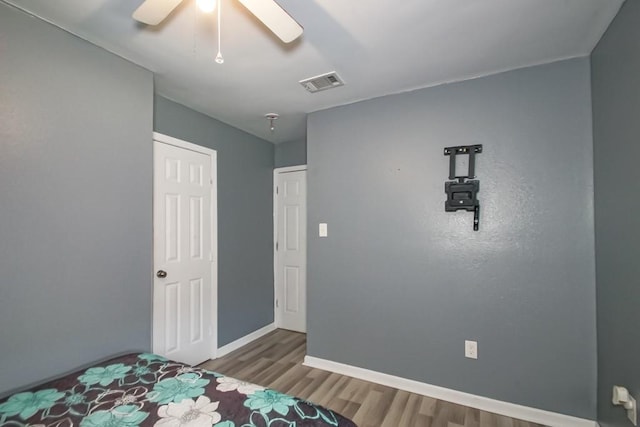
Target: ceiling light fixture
x=207, y=6
x=270, y=13
x=272, y=117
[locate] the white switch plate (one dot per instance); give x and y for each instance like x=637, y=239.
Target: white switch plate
x=633, y=412
x=471, y=349
x=322, y=229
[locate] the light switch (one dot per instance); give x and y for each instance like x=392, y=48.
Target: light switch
x=322, y=229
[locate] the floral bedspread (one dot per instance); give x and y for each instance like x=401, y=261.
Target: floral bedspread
x=148, y=390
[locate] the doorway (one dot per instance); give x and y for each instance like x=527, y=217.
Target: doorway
x=290, y=247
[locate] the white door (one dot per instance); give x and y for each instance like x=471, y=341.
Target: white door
x=184, y=325
x=291, y=249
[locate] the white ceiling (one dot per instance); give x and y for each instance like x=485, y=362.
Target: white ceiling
x=378, y=48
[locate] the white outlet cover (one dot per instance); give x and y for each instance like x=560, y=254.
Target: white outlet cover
x=633, y=412
x=471, y=349
x=322, y=229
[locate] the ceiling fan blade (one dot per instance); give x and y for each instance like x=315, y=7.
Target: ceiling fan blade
x=153, y=12
x=275, y=18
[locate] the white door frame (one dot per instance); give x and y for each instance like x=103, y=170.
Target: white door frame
x=213, y=154
x=276, y=171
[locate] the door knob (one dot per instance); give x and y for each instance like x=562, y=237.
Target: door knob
x=161, y=274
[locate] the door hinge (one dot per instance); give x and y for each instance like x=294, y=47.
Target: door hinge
x=277, y=190
x=277, y=304
x=276, y=246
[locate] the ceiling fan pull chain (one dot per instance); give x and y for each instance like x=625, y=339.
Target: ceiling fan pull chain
x=219, y=58
x=195, y=26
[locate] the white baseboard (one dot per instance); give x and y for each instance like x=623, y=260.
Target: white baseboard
x=484, y=403
x=240, y=342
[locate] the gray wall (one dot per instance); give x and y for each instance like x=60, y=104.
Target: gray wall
x=616, y=102
x=409, y=282
x=291, y=153
x=75, y=185
x=245, y=216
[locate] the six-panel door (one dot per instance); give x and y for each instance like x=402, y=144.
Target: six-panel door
x=291, y=254
x=182, y=319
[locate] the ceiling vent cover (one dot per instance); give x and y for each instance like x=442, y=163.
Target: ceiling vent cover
x=322, y=82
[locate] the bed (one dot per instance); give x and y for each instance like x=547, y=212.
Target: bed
x=145, y=389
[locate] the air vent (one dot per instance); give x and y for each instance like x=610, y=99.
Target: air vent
x=322, y=82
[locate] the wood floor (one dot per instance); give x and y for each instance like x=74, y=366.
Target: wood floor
x=275, y=361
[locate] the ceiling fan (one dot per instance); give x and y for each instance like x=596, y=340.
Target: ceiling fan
x=274, y=17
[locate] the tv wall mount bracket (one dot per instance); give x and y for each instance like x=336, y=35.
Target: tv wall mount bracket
x=462, y=190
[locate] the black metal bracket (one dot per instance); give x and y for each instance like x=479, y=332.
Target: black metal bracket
x=463, y=193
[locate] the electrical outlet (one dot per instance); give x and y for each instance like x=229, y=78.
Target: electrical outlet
x=471, y=349
x=632, y=412
x=621, y=397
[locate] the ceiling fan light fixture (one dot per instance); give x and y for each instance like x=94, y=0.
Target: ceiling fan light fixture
x=269, y=12
x=207, y=6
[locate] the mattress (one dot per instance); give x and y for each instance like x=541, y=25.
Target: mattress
x=145, y=389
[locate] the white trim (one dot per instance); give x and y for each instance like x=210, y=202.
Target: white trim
x=276, y=171
x=484, y=403
x=241, y=342
x=213, y=154
x=183, y=144
x=287, y=169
